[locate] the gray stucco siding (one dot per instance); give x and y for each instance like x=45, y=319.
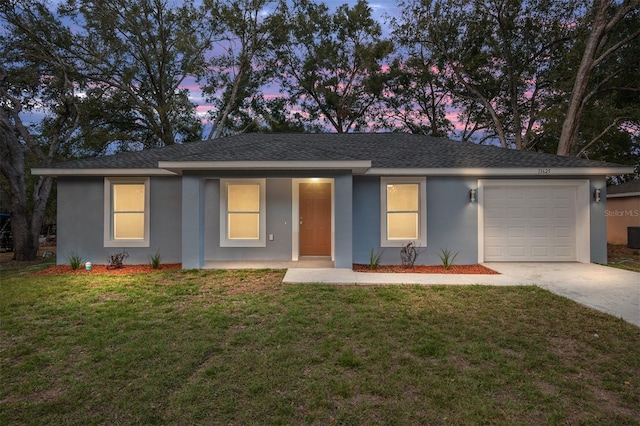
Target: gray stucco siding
x=165, y=216
x=452, y=221
x=278, y=223
x=598, y=224
x=366, y=219
x=343, y=187
x=80, y=221
x=192, y=222
x=185, y=219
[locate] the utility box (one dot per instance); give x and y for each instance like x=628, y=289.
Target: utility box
x=633, y=237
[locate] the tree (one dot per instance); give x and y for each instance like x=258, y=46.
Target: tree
x=36, y=76
x=611, y=44
x=137, y=55
x=494, y=55
x=416, y=97
x=246, y=32
x=114, y=74
x=332, y=63
x=271, y=115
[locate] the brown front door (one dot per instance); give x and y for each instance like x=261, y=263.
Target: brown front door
x=315, y=219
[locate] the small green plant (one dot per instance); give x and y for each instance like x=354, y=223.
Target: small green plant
x=75, y=261
x=374, y=259
x=447, y=258
x=154, y=260
x=116, y=260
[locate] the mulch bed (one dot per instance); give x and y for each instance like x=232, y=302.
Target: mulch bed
x=145, y=269
x=102, y=269
x=426, y=269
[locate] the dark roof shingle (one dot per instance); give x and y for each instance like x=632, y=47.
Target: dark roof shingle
x=384, y=150
x=625, y=188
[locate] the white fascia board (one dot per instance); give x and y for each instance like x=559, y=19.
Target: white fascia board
x=100, y=172
x=358, y=166
x=624, y=195
x=504, y=171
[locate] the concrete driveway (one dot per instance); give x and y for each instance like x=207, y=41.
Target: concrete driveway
x=610, y=290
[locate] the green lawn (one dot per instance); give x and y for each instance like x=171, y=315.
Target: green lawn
x=241, y=348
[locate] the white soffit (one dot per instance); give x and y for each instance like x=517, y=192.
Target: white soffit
x=623, y=195
x=503, y=171
x=101, y=172
x=357, y=166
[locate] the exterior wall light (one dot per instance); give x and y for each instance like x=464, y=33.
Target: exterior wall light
x=472, y=196
x=596, y=195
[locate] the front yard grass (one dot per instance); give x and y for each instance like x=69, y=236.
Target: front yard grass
x=239, y=347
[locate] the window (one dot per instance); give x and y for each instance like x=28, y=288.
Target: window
x=403, y=211
x=242, y=213
x=126, y=212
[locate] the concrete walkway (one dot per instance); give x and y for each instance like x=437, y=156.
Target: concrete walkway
x=610, y=290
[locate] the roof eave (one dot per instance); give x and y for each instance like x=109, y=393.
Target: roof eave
x=624, y=195
x=52, y=171
x=502, y=171
x=356, y=166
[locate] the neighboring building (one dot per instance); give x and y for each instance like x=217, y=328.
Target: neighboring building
x=623, y=211
x=280, y=197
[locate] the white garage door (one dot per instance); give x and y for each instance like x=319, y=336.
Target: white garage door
x=536, y=223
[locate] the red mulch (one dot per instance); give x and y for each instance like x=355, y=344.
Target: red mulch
x=102, y=269
x=142, y=269
x=426, y=269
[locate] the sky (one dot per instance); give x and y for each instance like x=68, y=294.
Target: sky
x=383, y=10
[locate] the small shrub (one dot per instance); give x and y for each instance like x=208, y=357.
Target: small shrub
x=154, y=260
x=447, y=258
x=75, y=261
x=374, y=259
x=116, y=260
x=408, y=254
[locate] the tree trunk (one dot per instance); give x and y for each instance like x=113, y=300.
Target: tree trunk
x=25, y=240
x=600, y=27
x=221, y=120
x=497, y=123
x=569, y=134
x=13, y=170
x=25, y=227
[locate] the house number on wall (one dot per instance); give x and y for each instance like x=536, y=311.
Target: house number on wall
x=544, y=171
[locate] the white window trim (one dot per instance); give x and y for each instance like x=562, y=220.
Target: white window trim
x=224, y=239
x=421, y=241
x=109, y=241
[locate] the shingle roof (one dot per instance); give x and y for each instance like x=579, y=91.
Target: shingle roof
x=625, y=188
x=384, y=150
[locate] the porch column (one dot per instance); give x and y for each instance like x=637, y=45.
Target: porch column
x=192, y=222
x=343, y=186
